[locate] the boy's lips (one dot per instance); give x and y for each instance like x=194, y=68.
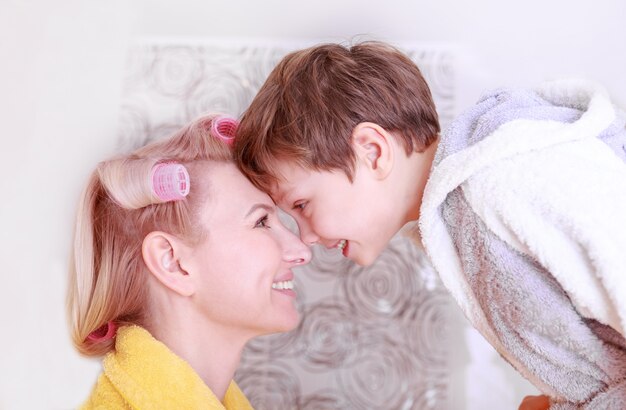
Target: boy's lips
x=345, y=248
x=342, y=245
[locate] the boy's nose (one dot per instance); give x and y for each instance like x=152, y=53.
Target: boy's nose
x=307, y=235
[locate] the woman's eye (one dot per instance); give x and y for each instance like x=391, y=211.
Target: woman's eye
x=262, y=222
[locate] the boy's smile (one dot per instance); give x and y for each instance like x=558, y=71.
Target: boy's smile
x=343, y=247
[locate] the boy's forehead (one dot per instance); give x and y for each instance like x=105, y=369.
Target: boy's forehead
x=289, y=176
x=292, y=178
x=286, y=173
x=281, y=189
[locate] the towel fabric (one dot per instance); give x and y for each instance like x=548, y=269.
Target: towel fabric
x=142, y=373
x=524, y=218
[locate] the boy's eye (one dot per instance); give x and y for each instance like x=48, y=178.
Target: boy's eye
x=300, y=205
x=262, y=222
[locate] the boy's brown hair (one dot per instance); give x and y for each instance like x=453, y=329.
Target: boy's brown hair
x=308, y=107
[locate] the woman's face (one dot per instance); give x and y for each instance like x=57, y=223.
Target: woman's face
x=245, y=260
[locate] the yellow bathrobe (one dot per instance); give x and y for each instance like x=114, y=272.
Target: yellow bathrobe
x=142, y=373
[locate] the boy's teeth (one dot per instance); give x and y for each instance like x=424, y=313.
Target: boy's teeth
x=286, y=284
x=342, y=244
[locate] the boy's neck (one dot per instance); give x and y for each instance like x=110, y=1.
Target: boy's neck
x=420, y=164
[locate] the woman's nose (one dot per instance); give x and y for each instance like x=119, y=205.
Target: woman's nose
x=296, y=251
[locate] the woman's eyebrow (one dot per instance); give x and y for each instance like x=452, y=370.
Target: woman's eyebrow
x=254, y=207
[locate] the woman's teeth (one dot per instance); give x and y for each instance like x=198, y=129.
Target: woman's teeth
x=286, y=284
x=342, y=244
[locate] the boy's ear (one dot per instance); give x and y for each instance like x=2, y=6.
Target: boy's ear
x=161, y=253
x=373, y=147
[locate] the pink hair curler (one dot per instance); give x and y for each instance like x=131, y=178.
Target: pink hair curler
x=104, y=332
x=170, y=181
x=224, y=128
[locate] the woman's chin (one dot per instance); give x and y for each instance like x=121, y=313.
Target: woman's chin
x=287, y=324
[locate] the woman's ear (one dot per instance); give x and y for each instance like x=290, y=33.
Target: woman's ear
x=373, y=147
x=161, y=253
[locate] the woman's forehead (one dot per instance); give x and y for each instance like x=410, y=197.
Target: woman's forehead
x=230, y=192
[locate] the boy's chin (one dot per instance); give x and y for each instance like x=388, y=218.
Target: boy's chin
x=366, y=259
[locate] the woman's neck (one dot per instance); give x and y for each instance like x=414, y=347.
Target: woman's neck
x=213, y=351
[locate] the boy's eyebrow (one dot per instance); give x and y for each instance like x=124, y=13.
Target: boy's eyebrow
x=254, y=207
x=282, y=194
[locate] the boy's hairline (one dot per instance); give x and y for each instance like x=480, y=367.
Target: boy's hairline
x=268, y=181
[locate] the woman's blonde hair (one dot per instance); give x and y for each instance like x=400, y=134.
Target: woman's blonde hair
x=116, y=211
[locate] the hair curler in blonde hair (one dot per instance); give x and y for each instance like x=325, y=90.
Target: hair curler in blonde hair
x=143, y=181
x=170, y=181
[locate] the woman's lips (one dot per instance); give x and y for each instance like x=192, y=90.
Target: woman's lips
x=284, y=284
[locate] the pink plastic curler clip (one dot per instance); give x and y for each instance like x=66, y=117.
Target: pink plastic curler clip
x=170, y=181
x=224, y=128
x=104, y=332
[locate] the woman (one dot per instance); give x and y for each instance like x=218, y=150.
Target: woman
x=177, y=262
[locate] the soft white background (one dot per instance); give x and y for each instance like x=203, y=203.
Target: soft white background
x=60, y=76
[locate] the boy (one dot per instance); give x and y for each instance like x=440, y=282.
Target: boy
x=518, y=205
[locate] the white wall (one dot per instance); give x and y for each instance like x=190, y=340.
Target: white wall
x=60, y=77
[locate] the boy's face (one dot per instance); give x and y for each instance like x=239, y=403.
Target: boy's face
x=357, y=218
